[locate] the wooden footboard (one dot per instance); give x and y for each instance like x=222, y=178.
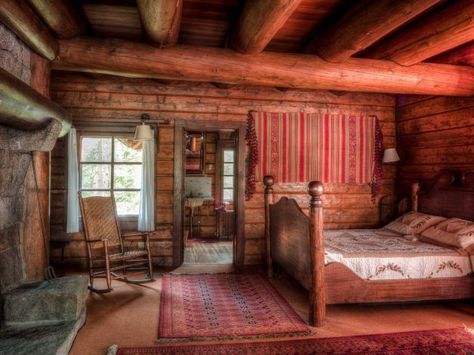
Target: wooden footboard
x=295, y=242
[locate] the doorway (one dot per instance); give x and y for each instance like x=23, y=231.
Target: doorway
x=209, y=193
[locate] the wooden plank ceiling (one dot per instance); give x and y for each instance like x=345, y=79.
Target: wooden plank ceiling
x=208, y=23
x=380, y=38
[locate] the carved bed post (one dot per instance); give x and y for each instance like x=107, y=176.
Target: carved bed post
x=415, y=189
x=317, y=297
x=268, y=181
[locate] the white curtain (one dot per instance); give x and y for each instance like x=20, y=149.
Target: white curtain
x=72, y=223
x=146, y=216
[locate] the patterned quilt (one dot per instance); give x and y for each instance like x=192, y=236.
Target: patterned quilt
x=378, y=254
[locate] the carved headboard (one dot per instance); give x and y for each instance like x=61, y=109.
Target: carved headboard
x=451, y=194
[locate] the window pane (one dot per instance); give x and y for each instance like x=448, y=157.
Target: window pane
x=95, y=176
x=127, y=202
x=96, y=149
x=95, y=193
x=127, y=176
x=228, y=156
x=229, y=169
x=228, y=181
x=127, y=150
x=228, y=195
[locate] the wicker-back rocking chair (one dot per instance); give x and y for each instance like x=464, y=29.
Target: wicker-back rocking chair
x=107, y=256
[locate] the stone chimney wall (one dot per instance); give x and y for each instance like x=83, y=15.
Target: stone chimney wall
x=15, y=165
x=22, y=252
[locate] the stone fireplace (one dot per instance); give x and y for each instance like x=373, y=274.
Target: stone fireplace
x=19, y=255
x=36, y=316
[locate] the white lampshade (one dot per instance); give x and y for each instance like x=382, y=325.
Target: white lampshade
x=390, y=155
x=143, y=132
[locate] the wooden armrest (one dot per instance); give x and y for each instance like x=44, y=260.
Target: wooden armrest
x=94, y=240
x=137, y=237
x=134, y=234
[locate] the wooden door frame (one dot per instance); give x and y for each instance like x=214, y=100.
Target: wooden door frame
x=180, y=127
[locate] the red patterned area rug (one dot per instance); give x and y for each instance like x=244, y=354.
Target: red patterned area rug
x=426, y=342
x=224, y=305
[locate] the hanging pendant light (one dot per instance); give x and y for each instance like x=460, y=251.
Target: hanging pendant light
x=143, y=132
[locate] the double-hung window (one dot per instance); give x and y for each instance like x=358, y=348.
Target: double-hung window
x=112, y=165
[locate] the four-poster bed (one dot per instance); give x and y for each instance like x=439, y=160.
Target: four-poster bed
x=294, y=242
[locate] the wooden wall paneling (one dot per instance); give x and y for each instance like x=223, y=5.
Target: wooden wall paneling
x=110, y=99
x=434, y=133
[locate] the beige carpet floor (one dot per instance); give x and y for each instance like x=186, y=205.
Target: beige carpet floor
x=128, y=316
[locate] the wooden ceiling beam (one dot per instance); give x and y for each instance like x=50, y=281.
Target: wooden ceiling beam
x=363, y=25
x=463, y=55
x=449, y=27
x=22, y=20
x=60, y=16
x=23, y=107
x=258, y=22
x=132, y=59
x=161, y=20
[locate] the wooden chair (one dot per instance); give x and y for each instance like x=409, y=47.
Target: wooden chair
x=105, y=244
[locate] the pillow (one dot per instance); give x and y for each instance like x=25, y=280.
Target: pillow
x=413, y=223
x=452, y=232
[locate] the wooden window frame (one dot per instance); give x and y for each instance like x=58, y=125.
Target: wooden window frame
x=91, y=134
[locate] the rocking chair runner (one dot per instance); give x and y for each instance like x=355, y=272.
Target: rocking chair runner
x=105, y=244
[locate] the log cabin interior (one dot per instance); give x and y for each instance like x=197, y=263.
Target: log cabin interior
x=236, y=176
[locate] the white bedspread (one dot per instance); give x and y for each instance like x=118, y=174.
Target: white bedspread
x=377, y=254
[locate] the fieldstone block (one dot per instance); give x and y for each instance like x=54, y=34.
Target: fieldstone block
x=61, y=299
x=54, y=339
x=11, y=267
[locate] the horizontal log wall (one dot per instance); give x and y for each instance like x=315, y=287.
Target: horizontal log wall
x=433, y=133
x=93, y=99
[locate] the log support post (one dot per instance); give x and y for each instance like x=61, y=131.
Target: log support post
x=415, y=190
x=317, y=296
x=268, y=181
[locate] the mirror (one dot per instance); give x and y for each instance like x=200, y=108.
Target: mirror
x=195, y=148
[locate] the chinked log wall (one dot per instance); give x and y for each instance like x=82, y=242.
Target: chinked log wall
x=110, y=99
x=433, y=133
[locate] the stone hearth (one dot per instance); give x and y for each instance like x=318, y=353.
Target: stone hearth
x=43, y=318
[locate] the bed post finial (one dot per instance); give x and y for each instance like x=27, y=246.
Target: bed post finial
x=317, y=297
x=415, y=190
x=268, y=181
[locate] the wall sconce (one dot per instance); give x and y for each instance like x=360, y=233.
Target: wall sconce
x=143, y=132
x=390, y=155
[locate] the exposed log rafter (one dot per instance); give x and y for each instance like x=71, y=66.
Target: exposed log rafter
x=259, y=21
x=459, y=56
x=450, y=27
x=161, y=20
x=23, y=107
x=21, y=19
x=60, y=16
x=131, y=59
x=362, y=26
